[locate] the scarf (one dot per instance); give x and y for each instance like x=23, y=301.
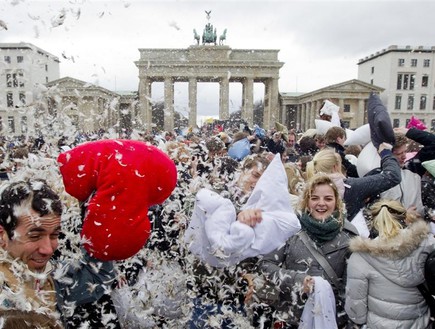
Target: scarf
x=321, y=232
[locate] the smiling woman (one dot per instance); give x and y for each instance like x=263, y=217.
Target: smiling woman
x=317, y=254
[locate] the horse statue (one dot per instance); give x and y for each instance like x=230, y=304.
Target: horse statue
x=223, y=37
x=208, y=35
x=196, y=36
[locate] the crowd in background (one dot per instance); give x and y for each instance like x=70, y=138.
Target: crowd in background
x=352, y=254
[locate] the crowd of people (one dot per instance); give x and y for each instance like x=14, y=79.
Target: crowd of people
x=264, y=229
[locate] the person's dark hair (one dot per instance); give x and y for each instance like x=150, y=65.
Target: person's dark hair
x=36, y=193
x=308, y=146
x=333, y=133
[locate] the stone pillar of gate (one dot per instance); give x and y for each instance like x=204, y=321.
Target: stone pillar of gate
x=169, y=105
x=307, y=117
x=248, y=101
x=193, y=101
x=271, y=109
x=224, y=98
x=145, y=109
x=360, y=115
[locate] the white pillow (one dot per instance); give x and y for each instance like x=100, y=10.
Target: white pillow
x=360, y=136
x=368, y=159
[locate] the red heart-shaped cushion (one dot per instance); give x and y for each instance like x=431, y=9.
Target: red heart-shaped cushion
x=120, y=180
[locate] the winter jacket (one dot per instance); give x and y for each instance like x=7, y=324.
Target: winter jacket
x=382, y=280
x=358, y=190
x=286, y=268
x=408, y=192
x=426, y=139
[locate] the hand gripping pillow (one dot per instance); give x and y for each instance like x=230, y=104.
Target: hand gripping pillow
x=119, y=179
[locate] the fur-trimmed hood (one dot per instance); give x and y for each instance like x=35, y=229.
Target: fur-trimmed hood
x=400, y=259
x=398, y=247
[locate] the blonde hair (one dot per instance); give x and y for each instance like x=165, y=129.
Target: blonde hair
x=323, y=162
x=294, y=178
x=322, y=179
x=389, y=217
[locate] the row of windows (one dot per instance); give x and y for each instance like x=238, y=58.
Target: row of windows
x=15, y=80
x=414, y=62
x=8, y=60
x=396, y=123
x=10, y=99
x=11, y=126
x=411, y=102
x=406, y=81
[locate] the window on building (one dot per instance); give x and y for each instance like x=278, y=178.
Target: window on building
x=46, y=68
x=11, y=124
x=8, y=80
x=20, y=59
x=396, y=123
x=405, y=81
x=21, y=79
x=414, y=62
x=399, y=81
x=22, y=97
x=10, y=99
x=423, y=102
x=346, y=108
x=346, y=124
x=371, y=81
x=410, y=102
x=46, y=79
x=8, y=59
x=23, y=124
x=432, y=124
x=398, y=102
x=424, y=80
x=407, y=122
x=426, y=63
x=373, y=69
x=433, y=103
x=401, y=61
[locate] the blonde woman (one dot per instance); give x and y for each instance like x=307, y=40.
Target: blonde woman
x=383, y=273
x=356, y=191
x=291, y=268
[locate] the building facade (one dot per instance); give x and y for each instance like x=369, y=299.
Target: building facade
x=24, y=70
x=407, y=75
x=300, y=110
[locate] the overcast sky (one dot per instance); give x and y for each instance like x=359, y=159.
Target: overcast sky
x=320, y=42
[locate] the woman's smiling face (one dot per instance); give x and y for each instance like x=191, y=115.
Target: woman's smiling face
x=322, y=202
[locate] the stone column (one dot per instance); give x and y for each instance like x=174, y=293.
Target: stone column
x=193, y=101
x=272, y=113
x=169, y=104
x=285, y=114
x=145, y=111
x=248, y=101
x=360, y=115
x=341, y=106
x=224, y=98
x=307, y=116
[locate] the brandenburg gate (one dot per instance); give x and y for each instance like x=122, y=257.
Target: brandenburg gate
x=209, y=63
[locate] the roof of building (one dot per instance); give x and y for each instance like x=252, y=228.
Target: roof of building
x=25, y=45
x=395, y=48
